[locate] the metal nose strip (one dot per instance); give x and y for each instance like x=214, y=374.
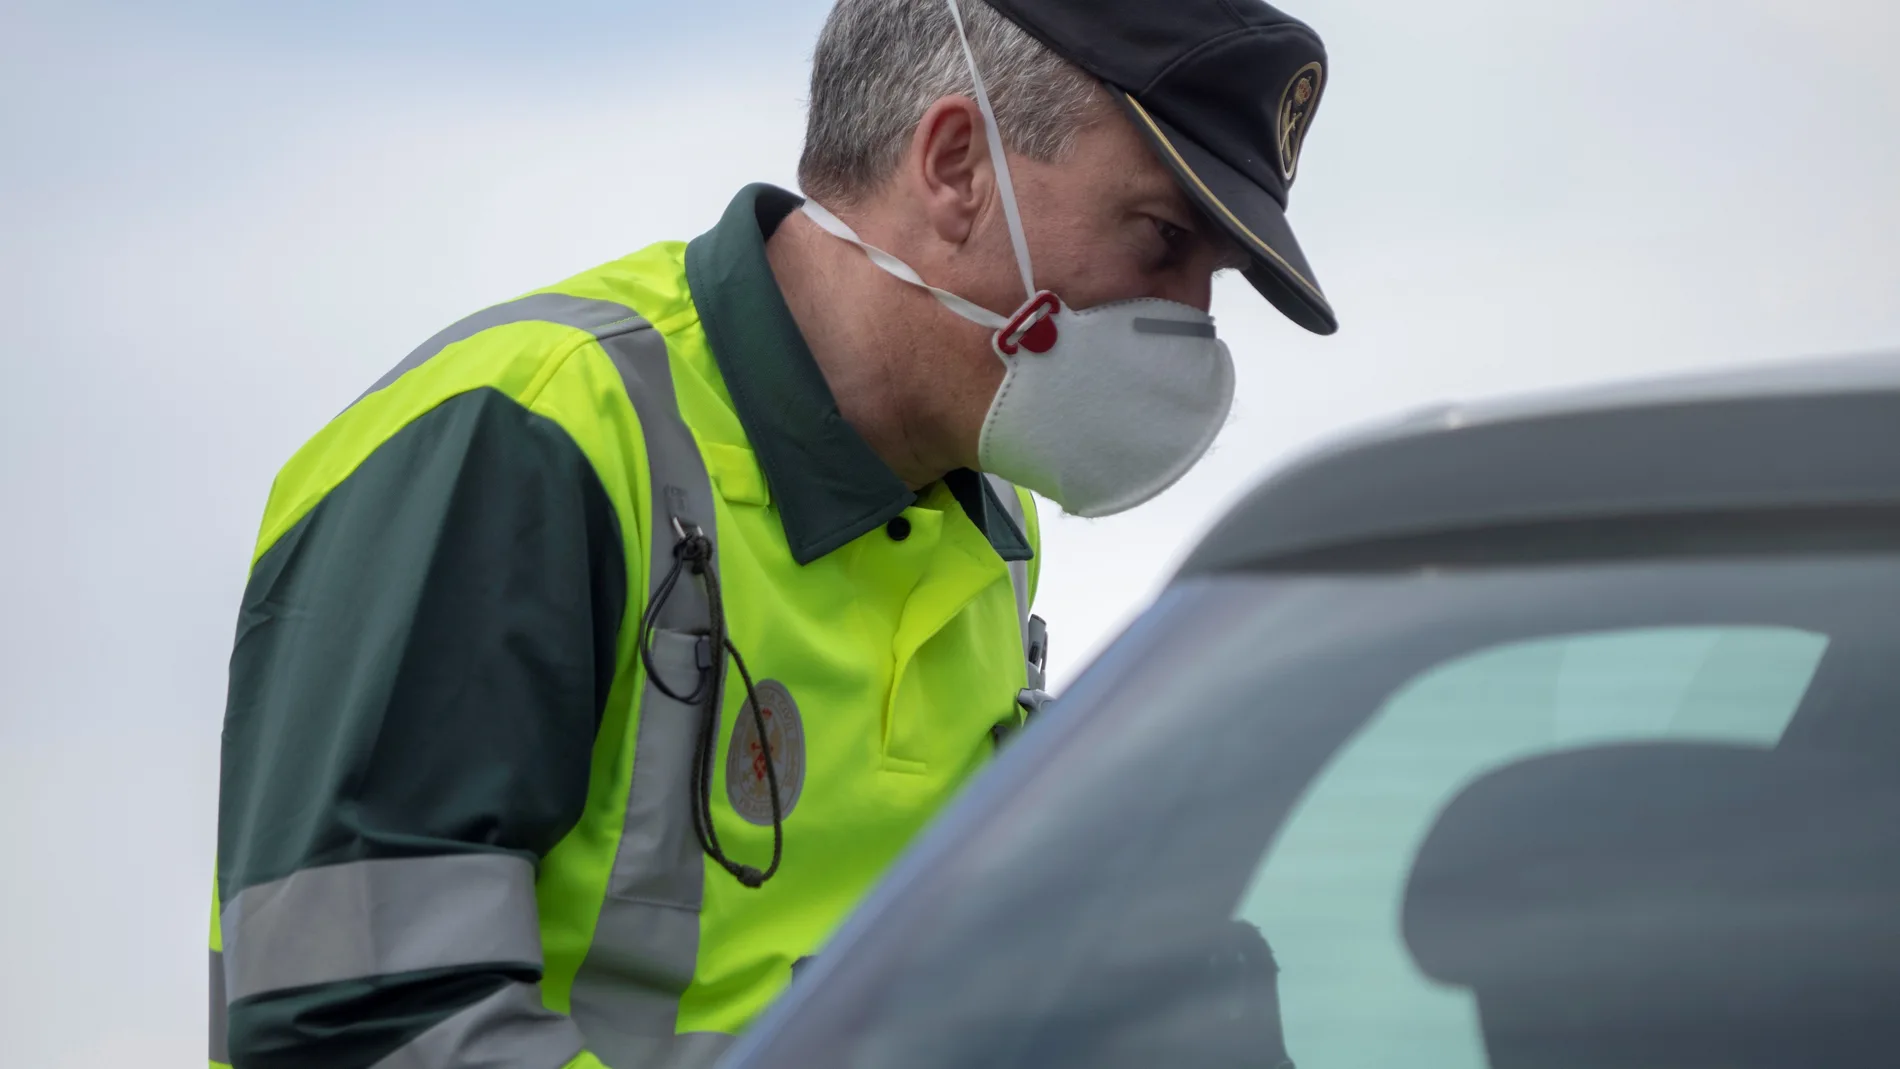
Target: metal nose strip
x=1179, y=328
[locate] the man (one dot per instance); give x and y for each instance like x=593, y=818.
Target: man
x=597, y=660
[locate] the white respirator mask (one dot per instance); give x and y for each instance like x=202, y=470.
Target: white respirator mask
x=1100, y=409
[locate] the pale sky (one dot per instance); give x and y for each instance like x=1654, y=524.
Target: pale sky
x=220, y=221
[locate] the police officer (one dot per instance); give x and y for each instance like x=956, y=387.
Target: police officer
x=599, y=657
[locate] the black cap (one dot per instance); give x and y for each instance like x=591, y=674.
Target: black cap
x=1225, y=91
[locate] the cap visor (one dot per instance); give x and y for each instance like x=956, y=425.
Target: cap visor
x=1246, y=212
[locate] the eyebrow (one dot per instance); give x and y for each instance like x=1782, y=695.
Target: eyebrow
x=1231, y=256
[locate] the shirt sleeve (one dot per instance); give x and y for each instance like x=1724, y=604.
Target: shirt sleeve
x=419, y=673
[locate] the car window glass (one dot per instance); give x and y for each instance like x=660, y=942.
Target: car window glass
x=1619, y=814
x=1328, y=894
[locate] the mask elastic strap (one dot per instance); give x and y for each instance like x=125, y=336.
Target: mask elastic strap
x=1003, y=185
x=838, y=228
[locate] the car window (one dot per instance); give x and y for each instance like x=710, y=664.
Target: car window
x=1609, y=815
x=1328, y=894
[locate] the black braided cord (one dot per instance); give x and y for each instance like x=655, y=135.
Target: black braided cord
x=694, y=550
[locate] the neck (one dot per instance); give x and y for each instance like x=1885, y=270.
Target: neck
x=870, y=337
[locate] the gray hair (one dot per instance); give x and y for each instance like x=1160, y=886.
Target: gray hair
x=880, y=64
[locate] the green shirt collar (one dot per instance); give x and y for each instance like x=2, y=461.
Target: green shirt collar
x=828, y=484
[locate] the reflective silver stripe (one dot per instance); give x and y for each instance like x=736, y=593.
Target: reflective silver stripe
x=1018, y=569
x=509, y=1029
x=370, y=918
x=220, y=1013
x=626, y=995
x=596, y=317
x=646, y=940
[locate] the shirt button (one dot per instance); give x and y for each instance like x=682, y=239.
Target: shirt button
x=898, y=529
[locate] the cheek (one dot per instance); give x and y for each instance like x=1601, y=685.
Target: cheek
x=1109, y=272
x=1114, y=260
x=1076, y=245
x=1084, y=252
x=991, y=280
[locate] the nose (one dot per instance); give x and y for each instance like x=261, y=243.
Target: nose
x=1193, y=287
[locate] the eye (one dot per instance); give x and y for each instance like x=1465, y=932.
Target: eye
x=1174, y=241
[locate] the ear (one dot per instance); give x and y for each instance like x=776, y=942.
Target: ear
x=950, y=167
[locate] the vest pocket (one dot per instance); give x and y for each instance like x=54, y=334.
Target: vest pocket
x=675, y=660
x=659, y=858
x=954, y=689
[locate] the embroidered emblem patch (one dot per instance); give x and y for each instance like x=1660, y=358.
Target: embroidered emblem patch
x=784, y=745
x=1297, y=104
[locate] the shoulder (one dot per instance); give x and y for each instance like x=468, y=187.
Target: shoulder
x=550, y=365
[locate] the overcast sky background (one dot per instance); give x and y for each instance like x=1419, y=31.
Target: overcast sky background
x=219, y=221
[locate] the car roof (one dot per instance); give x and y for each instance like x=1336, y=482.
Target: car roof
x=1737, y=456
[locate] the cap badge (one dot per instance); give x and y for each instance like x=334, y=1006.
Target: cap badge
x=1297, y=104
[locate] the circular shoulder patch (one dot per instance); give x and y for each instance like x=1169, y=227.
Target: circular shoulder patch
x=746, y=785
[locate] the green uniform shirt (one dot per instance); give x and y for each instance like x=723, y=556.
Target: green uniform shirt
x=449, y=823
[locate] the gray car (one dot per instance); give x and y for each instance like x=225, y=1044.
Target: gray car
x=1541, y=735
